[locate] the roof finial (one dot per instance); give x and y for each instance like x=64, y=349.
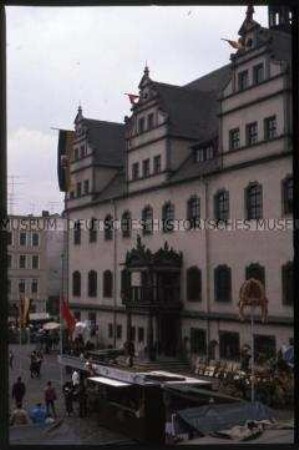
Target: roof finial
x=79, y=108
x=146, y=70
x=249, y=12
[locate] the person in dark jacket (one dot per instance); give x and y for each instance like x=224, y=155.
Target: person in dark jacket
x=68, y=397
x=18, y=391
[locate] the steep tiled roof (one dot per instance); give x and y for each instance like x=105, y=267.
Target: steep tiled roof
x=213, y=81
x=108, y=141
x=114, y=189
x=192, y=113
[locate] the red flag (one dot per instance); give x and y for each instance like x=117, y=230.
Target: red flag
x=68, y=316
x=133, y=98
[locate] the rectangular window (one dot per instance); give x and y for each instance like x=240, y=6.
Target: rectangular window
x=72, y=194
x=133, y=333
x=118, y=332
x=35, y=240
x=199, y=155
x=140, y=334
x=157, y=164
x=9, y=238
x=110, y=330
x=264, y=348
x=22, y=262
x=258, y=73
x=82, y=151
x=287, y=284
x=22, y=239
x=77, y=315
x=35, y=261
x=251, y=133
x=86, y=186
x=22, y=286
x=270, y=128
x=79, y=189
x=34, y=286
x=135, y=171
x=243, y=80
x=146, y=168
x=76, y=154
x=229, y=345
x=150, y=121
x=141, y=125
x=198, y=342
x=234, y=138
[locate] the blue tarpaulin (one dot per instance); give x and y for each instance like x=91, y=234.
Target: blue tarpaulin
x=211, y=418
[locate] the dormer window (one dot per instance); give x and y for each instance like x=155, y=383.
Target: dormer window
x=204, y=153
x=258, y=73
x=141, y=125
x=243, y=80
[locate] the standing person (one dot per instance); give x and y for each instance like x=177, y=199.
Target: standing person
x=75, y=378
x=11, y=358
x=68, y=397
x=50, y=398
x=18, y=391
x=39, y=361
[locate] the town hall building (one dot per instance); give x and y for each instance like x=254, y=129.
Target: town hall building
x=175, y=208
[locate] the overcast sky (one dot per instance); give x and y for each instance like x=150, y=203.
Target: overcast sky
x=60, y=57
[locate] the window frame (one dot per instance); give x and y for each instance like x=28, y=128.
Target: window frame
x=268, y=129
x=221, y=206
x=168, y=217
x=194, y=284
x=157, y=164
x=107, y=284
x=252, y=136
x=233, y=140
x=254, y=201
x=222, y=293
x=287, y=202
x=108, y=227
x=92, y=283
x=146, y=168
x=135, y=171
x=223, y=350
x=76, y=284
x=126, y=224
x=287, y=283
x=77, y=233
x=243, y=75
x=255, y=74
x=193, y=211
x=147, y=217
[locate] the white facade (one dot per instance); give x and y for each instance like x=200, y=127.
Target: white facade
x=238, y=244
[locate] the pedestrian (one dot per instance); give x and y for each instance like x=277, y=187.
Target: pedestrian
x=18, y=391
x=68, y=397
x=50, y=398
x=75, y=378
x=11, y=358
x=19, y=416
x=39, y=361
x=33, y=364
x=38, y=414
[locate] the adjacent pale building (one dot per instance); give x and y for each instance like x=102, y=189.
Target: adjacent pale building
x=171, y=211
x=35, y=246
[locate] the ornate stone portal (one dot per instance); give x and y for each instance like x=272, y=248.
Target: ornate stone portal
x=152, y=287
